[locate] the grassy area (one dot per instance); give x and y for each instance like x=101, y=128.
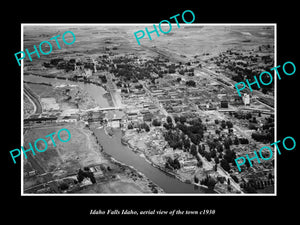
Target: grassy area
x=66, y=157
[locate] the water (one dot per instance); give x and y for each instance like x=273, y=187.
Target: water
x=93, y=90
x=114, y=147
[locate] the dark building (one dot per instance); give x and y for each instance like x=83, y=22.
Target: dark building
x=224, y=104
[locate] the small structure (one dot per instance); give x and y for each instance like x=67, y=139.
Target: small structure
x=246, y=99
x=68, y=119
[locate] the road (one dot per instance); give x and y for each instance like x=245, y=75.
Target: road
x=156, y=102
x=215, y=76
x=222, y=172
x=33, y=98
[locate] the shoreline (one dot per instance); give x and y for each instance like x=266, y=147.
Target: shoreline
x=132, y=148
x=113, y=160
x=108, y=95
x=164, y=170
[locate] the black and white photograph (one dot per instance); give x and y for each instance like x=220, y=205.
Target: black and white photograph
x=149, y=112
x=159, y=117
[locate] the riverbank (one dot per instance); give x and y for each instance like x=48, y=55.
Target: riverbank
x=83, y=150
x=152, y=147
x=131, y=171
x=58, y=166
x=156, y=158
x=114, y=148
x=98, y=92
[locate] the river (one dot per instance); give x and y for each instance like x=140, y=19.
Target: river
x=97, y=92
x=114, y=147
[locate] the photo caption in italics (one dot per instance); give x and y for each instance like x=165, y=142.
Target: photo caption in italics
x=172, y=212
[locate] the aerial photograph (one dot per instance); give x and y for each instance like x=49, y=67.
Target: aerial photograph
x=159, y=118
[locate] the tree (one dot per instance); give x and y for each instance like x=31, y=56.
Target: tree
x=176, y=119
x=190, y=83
x=201, y=149
x=216, y=160
x=119, y=84
x=207, y=156
x=183, y=128
x=229, y=124
x=165, y=125
x=176, y=164
x=169, y=119
x=244, y=141
x=223, y=124
x=193, y=150
x=229, y=156
x=216, y=167
x=196, y=138
x=225, y=165
x=186, y=143
x=236, y=141
x=227, y=143
x=182, y=119
x=209, y=182
x=156, y=122
x=199, y=163
x=213, y=153
x=219, y=147
x=146, y=127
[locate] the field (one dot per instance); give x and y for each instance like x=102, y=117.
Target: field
x=65, y=157
x=63, y=162
x=182, y=43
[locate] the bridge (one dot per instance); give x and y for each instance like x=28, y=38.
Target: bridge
x=103, y=109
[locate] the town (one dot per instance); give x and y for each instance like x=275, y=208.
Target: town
x=183, y=117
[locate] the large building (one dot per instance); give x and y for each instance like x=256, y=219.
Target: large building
x=114, y=118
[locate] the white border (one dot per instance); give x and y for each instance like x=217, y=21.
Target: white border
x=147, y=24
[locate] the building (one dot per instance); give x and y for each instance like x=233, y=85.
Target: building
x=114, y=118
x=68, y=119
x=224, y=104
x=96, y=116
x=246, y=99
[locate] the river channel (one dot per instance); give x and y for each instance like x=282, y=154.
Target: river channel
x=113, y=146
